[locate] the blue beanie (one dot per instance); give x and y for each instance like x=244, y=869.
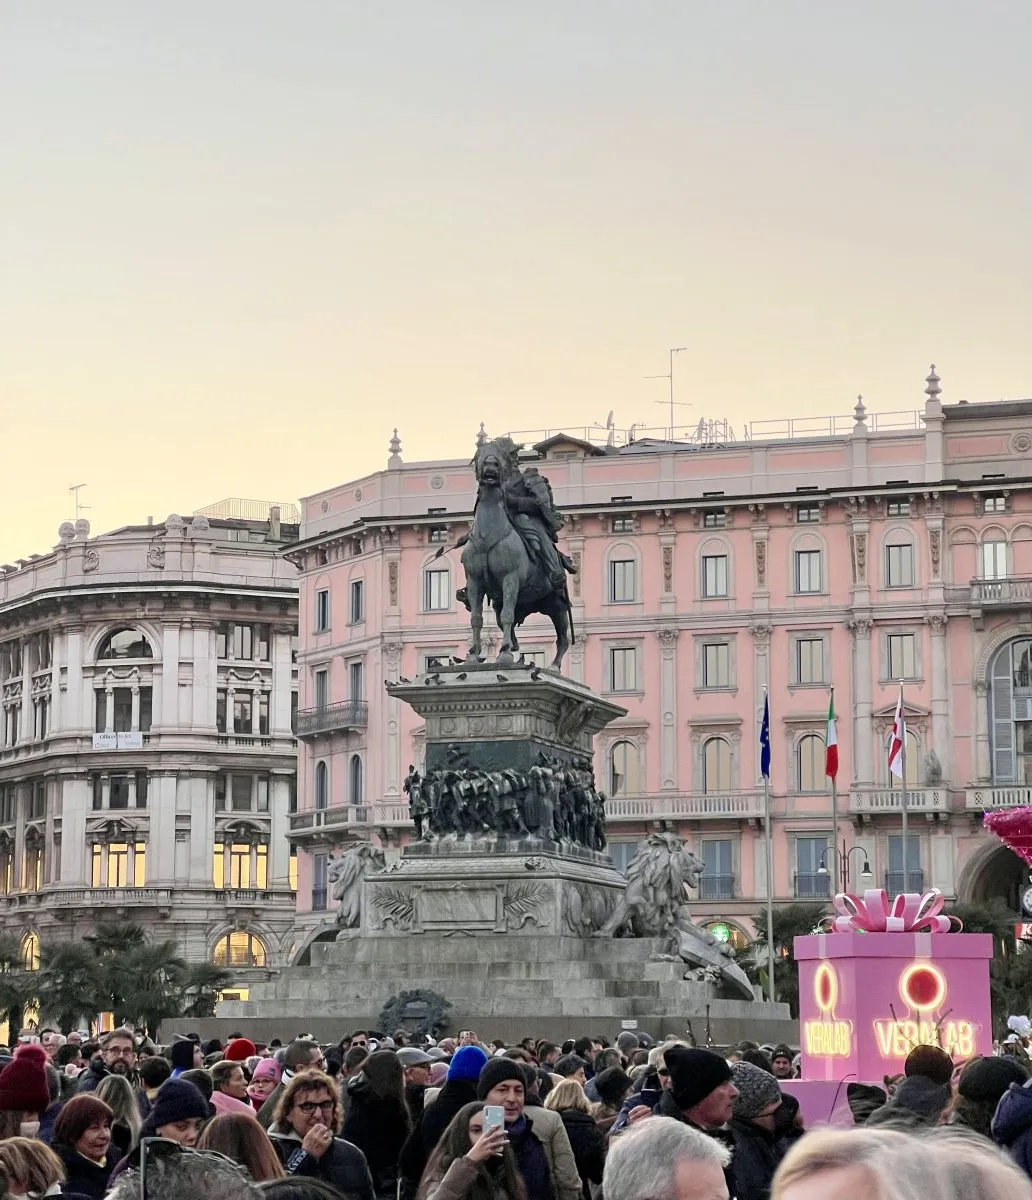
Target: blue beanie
x=177, y=1100
x=467, y=1063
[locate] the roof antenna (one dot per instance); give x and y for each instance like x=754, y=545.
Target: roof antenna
x=79, y=506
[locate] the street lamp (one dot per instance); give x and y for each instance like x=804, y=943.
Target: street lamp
x=844, y=856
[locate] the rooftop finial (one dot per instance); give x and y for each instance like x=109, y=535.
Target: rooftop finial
x=860, y=414
x=482, y=435
x=933, y=391
x=395, y=444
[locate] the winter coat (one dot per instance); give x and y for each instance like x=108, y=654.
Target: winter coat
x=918, y=1102
x=423, y=1139
x=756, y=1157
x=1012, y=1125
x=547, y=1127
x=343, y=1166
x=588, y=1145
x=83, y=1176
x=649, y=1097
x=667, y=1107
x=223, y=1104
x=458, y=1181
x=379, y=1129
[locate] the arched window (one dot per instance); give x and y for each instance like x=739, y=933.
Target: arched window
x=716, y=766
x=1010, y=712
x=624, y=770
x=810, y=763
x=240, y=949
x=355, y=779
x=30, y=951
x=322, y=785
x=125, y=643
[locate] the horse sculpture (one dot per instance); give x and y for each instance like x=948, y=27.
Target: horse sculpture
x=510, y=556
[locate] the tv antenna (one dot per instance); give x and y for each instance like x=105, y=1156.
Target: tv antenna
x=79, y=506
x=669, y=376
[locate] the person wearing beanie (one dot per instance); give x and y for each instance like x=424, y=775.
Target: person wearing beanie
x=264, y=1082
x=536, y=1134
x=184, y=1056
x=757, y=1149
x=24, y=1092
x=781, y=1062
x=613, y=1086
x=178, y=1112
x=701, y=1094
x=922, y=1094
x=980, y=1087
x=931, y=1062
x=459, y=1089
x=239, y=1049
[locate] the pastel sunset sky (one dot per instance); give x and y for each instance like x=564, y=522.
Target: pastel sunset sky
x=243, y=239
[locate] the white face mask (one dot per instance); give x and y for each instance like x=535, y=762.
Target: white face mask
x=29, y=1129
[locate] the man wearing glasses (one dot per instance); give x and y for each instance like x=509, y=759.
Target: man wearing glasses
x=300, y=1055
x=303, y=1133
x=117, y=1057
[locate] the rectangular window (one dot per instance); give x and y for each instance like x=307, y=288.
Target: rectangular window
x=714, y=575
x=38, y=800
x=32, y=876
x=899, y=565
x=263, y=714
x=623, y=524
x=7, y=802
x=240, y=792
x=146, y=708
x=810, y=660
x=98, y=793
x=97, y=866
x=220, y=710
x=12, y=722
x=994, y=504
x=242, y=712
x=220, y=793
x=262, y=788
x=261, y=867
x=141, y=789
x=239, y=865
x=807, y=514
x=623, y=669
x=292, y=870
x=322, y=688
x=902, y=656
x=435, y=591
x=140, y=864
x=718, y=880
x=122, y=701
x=322, y=610
x=898, y=508
x=242, y=642
x=622, y=581
x=41, y=717
x=117, y=865
x=716, y=665
x=356, y=602
x=438, y=533
x=318, y=883
x=915, y=876
x=714, y=519
x=994, y=560
x=811, y=882
x=118, y=795
x=808, y=571
x=356, y=681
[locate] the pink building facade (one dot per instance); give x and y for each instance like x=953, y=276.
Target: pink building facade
x=854, y=555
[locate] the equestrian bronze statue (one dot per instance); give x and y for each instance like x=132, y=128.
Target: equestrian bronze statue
x=511, y=555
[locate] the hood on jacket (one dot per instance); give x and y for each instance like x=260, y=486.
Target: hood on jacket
x=1013, y=1114
x=917, y=1100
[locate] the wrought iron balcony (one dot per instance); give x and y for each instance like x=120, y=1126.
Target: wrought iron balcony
x=717, y=887
x=331, y=718
x=812, y=887
x=894, y=882
x=890, y=800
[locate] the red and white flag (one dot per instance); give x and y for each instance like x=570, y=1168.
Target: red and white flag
x=899, y=739
x=831, y=752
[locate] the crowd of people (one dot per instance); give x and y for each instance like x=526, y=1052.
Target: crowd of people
x=377, y=1117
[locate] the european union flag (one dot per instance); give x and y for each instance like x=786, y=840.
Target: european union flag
x=765, y=740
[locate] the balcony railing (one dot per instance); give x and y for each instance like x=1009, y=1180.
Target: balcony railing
x=331, y=718
x=879, y=800
x=695, y=807
x=349, y=816
x=991, y=796
x=119, y=897
x=717, y=887
x=894, y=882
x=1002, y=593
x=812, y=887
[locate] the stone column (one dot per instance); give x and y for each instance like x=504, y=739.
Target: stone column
x=134, y=723
x=230, y=697
x=27, y=714
x=393, y=767
x=668, y=709
x=940, y=693
x=109, y=706
x=165, y=696
x=256, y=696
x=282, y=682
x=279, y=826
x=76, y=803
x=863, y=723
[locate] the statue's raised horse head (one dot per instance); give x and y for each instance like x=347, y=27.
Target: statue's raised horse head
x=510, y=555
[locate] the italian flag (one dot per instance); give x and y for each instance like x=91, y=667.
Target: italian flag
x=831, y=752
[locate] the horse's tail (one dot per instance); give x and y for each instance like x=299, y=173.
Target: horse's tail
x=569, y=612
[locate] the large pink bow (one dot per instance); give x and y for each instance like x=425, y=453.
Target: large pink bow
x=908, y=913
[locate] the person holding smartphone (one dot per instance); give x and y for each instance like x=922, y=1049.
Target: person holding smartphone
x=472, y=1161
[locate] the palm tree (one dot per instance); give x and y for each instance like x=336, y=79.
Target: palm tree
x=203, y=985
x=71, y=983
x=790, y=921
x=154, y=982
x=19, y=988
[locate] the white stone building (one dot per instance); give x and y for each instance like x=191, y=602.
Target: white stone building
x=147, y=763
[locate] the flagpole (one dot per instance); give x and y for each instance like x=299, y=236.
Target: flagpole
x=903, y=782
x=834, y=823
x=770, y=865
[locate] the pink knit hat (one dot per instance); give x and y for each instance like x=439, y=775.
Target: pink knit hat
x=268, y=1068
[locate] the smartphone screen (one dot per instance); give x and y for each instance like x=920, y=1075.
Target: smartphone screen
x=494, y=1117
